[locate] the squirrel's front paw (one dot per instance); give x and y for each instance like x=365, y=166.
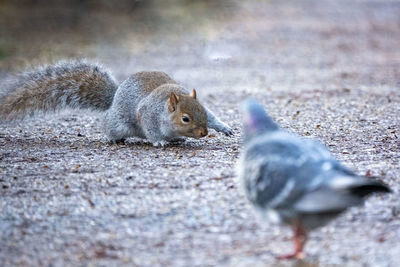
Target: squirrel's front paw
x=177, y=140
x=228, y=131
x=161, y=143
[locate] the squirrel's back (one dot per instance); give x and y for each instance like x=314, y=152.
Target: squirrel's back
x=73, y=84
x=150, y=80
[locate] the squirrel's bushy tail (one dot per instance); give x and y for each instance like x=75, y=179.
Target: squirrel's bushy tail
x=73, y=84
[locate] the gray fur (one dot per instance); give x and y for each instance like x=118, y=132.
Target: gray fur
x=216, y=124
x=137, y=108
x=72, y=84
x=130, y=102
x=121, y=120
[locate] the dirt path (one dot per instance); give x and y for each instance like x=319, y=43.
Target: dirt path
x=324, y=69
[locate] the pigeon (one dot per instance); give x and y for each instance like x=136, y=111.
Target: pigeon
x=294, y=180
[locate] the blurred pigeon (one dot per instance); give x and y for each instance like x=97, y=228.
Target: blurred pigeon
x=294, y=180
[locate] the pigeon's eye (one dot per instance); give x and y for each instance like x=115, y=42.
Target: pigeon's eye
x=185, y=119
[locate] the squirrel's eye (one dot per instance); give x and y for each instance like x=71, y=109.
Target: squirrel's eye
x=185, y=119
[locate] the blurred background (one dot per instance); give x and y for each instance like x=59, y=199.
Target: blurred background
x=214, y=45
x=328, y=69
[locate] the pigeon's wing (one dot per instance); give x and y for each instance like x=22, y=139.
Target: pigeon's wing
x=280, y=168
x=332, y=187
x=265, y=181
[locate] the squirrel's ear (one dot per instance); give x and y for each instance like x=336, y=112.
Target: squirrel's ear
x=173, y=101
x=193, y=94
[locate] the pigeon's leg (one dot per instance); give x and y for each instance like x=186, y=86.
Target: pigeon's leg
x=299, y=240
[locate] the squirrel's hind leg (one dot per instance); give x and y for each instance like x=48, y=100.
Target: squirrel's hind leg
x=117, y=134
x=177, y=140
x=118, y=142
x=169, y=142
x=116, y=130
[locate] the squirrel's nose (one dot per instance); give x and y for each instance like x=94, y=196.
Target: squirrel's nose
x=203, y=132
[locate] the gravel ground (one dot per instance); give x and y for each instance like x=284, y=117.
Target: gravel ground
x=324, y=69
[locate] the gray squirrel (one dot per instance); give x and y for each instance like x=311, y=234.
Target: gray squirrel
x=148, y=104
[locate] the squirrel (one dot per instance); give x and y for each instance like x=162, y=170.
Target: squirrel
x=148, y=105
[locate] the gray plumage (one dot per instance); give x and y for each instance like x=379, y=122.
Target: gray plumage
x=295, y=180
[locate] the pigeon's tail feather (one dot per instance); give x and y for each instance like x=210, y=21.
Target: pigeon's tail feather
x=370, y=186
x=357, y=185
x=326, y=200
x=340, y=193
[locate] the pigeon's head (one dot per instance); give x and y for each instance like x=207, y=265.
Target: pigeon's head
x=256, y=120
